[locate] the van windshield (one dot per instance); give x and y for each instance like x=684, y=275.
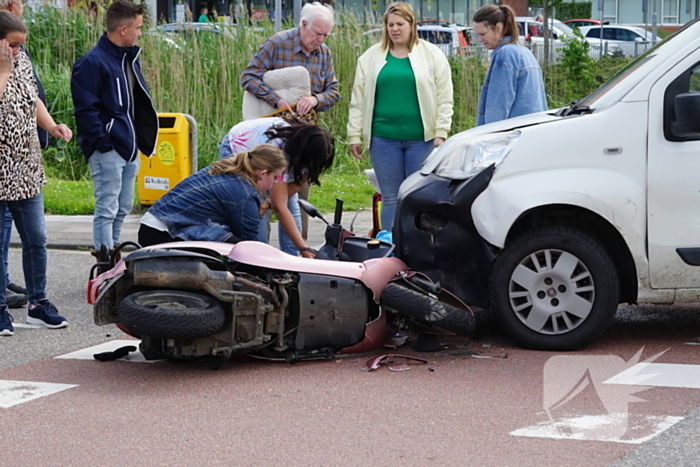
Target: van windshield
x=617, y=87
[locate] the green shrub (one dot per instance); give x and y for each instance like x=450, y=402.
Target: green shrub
x=566, y=11
x=577, y=10
x=578, y=66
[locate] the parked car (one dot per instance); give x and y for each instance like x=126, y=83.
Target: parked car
x=532, y=35
x=633, y=40
x=577, y=23
x=452, y=39
x=553, y=240
x=184, y=29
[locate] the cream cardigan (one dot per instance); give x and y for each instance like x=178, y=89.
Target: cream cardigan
x=433, y=83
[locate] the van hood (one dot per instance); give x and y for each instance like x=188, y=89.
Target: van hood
x=515, y=123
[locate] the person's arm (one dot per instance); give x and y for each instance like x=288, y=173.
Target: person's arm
x=86, y=89
x=500, y=101
x=279, y=195
x=355, y=116
x=444, y=101
x=45, y=121
x=330, y=95
x=252, y=76
x=250, y=219
x=5, y=65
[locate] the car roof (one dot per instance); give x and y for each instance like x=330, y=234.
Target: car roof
x=187, y=26
x=441, y=27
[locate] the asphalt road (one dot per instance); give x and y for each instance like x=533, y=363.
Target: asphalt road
x=477, y=402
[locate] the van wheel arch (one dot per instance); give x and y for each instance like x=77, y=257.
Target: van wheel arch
x=591, y=224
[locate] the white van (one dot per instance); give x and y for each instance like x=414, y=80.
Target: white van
x=555, y=218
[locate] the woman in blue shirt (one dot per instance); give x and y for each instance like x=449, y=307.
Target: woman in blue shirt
x=513, y=84
x=219, y=203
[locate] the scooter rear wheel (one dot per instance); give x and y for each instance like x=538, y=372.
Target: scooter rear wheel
x=428, y=310
x=171, y=314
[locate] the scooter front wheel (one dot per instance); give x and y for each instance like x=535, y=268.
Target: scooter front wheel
x=427, y=309
x=171, y=314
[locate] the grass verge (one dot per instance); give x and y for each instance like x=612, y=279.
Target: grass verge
x=73, y=198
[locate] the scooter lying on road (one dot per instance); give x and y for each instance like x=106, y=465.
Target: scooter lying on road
x=188, y=301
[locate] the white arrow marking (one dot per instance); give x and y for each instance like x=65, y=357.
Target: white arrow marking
x=670, y=375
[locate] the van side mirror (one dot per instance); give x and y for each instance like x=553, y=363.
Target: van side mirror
x=687, y=124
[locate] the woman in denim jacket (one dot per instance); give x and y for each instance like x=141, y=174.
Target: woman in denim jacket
x=513, y=84
x=219, y=203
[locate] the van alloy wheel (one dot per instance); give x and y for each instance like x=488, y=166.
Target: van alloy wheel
x=554, y=288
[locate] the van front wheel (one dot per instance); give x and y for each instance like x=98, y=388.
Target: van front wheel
x=554, y=288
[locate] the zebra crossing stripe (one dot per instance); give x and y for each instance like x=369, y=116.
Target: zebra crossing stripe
x=17, y=392
x=87, y=353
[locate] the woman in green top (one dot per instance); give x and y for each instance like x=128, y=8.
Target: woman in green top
x=401, y=104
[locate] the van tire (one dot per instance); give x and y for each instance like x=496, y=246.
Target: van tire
x=566, y=276
x=171, y=314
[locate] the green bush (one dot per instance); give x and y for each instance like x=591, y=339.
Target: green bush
x=578, y=66
x=566, y=11
x=578, y=10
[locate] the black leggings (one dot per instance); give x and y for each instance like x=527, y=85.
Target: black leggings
x=149, y=236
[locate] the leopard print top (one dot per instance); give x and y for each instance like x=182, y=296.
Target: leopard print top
x=21, y=169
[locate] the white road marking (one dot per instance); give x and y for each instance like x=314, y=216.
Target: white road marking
x=17, y=392
x=635, y=428
x=670, y=375
x=87, y=354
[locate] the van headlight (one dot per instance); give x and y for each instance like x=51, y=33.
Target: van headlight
x=462, y=158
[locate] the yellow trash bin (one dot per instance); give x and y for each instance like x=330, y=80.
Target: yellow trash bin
x=174, y=160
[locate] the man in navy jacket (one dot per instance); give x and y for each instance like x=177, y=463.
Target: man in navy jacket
x=115, y=118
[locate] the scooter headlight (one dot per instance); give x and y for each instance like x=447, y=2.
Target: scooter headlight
x=462, y=158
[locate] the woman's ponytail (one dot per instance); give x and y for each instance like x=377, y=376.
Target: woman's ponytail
x=246, y=164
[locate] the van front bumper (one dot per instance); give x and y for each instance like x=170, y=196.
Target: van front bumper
x=435, y=234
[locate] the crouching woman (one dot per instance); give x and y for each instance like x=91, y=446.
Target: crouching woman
x=220, y=203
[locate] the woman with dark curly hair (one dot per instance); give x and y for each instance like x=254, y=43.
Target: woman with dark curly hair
x=310, y=151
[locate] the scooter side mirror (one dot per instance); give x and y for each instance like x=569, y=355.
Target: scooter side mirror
x=311, y=210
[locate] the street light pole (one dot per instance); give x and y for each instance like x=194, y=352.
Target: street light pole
x=278, y=15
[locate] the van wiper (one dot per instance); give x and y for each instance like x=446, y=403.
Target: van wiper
x=574, y=108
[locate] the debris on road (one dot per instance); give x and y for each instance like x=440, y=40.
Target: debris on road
x=388, y=359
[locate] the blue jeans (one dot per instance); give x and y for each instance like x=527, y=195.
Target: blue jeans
x=29, y=219
x=6, y=238
x=113, y=181
x=286, y=243
x=394, y=160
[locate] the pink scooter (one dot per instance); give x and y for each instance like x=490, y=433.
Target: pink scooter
x=197, y=300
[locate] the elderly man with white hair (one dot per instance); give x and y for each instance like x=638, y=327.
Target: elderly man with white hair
x=302, y=46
